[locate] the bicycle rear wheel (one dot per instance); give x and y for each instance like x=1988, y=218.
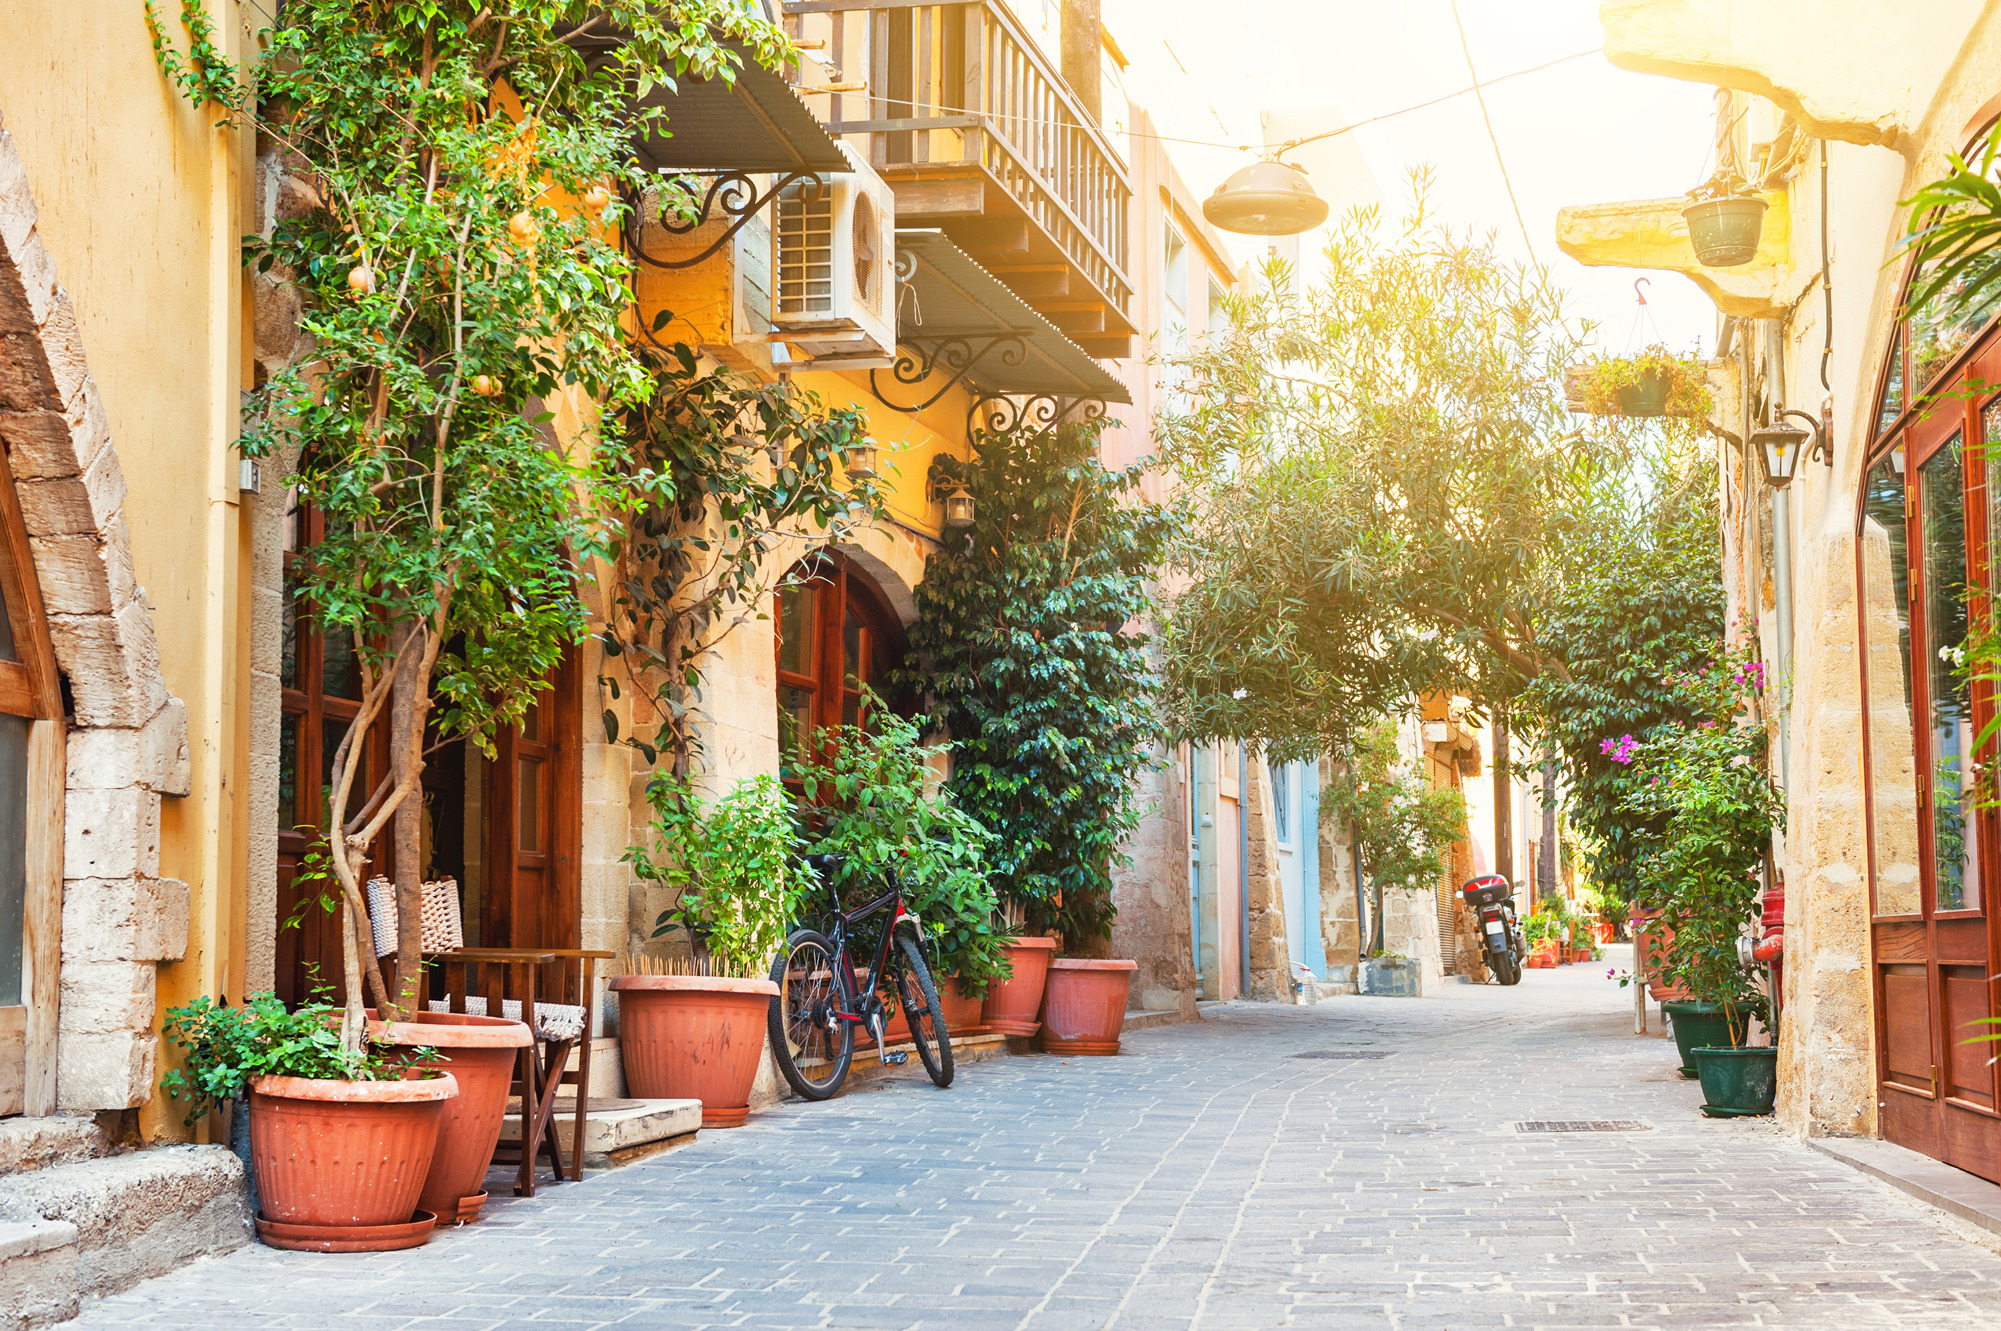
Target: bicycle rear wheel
x=812, y=1044
x=924, y=1012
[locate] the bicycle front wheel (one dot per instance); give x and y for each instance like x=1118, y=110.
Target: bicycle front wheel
x=812, y=1044
x=926, y=1015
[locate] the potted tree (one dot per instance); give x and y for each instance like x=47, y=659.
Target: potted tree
x=481, y=1053
x=1719, y=810
x=1402, y=829
x=876, y=812
x=340, y=1141
x=1013, y=1004
x=695, y=1029
x=1650, y=382
x=1725, y=219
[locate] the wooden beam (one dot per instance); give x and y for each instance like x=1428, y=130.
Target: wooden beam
x=1075, y=316
x=41, y=951
x=1035, y=281
x=949, y=196
x=1106, y=348
x=1001, y=238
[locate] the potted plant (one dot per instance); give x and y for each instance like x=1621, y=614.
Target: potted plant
x=1084, y=1005
x=694, y=1029
x=1725, y=219
x=1402, y=829
x=1650, y=382
x=1013, y=1005
x=481, y=1053
x=1719, y=810
x=340, y=1142
x=875, y=810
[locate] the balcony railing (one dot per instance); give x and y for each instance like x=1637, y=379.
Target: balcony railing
x=964, y=84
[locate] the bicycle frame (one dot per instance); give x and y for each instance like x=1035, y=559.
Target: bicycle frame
x=864, y=1008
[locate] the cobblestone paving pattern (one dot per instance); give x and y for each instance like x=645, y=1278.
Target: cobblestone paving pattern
x=1207, y=1178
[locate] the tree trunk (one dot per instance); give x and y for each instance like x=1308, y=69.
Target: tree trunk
x=406, y=722
x=1551, y=885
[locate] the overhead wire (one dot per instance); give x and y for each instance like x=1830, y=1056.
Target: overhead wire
x=1492, y=138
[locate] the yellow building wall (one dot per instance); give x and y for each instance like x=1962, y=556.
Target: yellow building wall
x=142, y=206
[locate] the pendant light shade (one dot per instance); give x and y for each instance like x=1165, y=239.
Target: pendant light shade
x=1779, y=446
x=1266, y=199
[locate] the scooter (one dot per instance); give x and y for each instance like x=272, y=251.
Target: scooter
x=1491, y=898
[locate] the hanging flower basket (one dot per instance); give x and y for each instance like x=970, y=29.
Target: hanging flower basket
x=1653, y=382
x=1725, y=220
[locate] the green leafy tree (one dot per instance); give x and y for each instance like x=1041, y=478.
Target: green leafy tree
x=1381, y=467
x=1403, y=826
x=1025, y=651
x=872, y=805
x=459, y=284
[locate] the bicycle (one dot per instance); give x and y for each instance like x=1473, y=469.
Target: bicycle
x=819, y=1005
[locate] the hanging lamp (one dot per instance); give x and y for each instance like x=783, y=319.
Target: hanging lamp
x=1269, y=198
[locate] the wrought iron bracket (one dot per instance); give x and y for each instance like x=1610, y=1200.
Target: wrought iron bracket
x=734, y=193
x=998, y=413
x=956, y=357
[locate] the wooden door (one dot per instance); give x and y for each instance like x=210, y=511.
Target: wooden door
x=1932, y=847
x=532, y=792
x=836, y=634
x=32, y=769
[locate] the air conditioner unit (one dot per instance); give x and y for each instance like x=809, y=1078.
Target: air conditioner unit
x=833, y=265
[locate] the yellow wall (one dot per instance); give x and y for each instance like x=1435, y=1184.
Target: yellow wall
x=142, y=205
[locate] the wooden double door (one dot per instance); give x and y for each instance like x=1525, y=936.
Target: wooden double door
x=1928, y=521
x=507, y=829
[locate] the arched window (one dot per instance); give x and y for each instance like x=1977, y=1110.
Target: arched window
x=836, y=633
x=1926, y=522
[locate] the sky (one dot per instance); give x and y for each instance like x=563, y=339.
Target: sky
x=1580, y=132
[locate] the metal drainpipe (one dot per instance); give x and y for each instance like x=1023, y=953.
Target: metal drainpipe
x=1244, y=858
x=1782, y=590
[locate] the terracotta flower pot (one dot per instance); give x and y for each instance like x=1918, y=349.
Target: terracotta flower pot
x=1084, y=1005
x=693, y=1037
x=1543, y=955
x=1012, y=1004
x=481, y=1053
x=334, y=1158
x=962, y=1014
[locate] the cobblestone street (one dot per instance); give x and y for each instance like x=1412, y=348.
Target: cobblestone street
x=1210, y=1177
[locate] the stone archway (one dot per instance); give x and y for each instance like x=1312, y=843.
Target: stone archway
x=127, y=741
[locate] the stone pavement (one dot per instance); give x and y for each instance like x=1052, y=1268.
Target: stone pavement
x=1207, y=1178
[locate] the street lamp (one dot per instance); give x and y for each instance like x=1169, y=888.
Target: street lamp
x=1266, y=199
x=1779, y=446
x=959, y=508
x=860, y=461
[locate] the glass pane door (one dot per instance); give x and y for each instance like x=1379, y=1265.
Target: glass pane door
x=1955, y=853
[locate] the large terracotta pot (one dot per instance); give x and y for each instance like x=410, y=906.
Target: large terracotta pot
x=1084, y=1005
x=962, y=1014
x=1651, y=943
x=481, y=1053
x=693, y=1037
x=337, y=1157
x=1012, y=1004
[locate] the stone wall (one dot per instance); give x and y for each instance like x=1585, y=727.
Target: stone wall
x=128, y=742
x=1270, y=977
x=1153, y=926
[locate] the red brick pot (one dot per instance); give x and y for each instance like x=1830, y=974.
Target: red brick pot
x=693, y=1037
x=1084, y=1005
x=337, y=1158
x=1012, y=1004
x=481, y=1053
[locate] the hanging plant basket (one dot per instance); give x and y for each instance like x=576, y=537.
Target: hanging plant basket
x=1645, y=397
x=1725, y=220
x=1653, y=382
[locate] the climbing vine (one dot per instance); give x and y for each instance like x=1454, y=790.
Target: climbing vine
x=457, y=425
x=1021, y=648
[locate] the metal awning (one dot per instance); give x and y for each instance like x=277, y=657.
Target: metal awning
x=957, y=323
x=755, y=124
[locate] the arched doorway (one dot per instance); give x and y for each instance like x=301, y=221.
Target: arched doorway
x=837, y=636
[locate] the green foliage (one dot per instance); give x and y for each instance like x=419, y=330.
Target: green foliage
x=1604, y=377
x=205, y=75
x=1706, y=789
x=734, y=866
x=1024, y=651
x=708, y=509
x=225, y=1048
x=871, y=805
x=1954, y=224
x=1403, y=826
x=1636, y=616
x=459, y=289
x=1381, y=468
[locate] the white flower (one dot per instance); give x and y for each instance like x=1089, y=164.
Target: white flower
x=1740, y=761
x=1241, y=694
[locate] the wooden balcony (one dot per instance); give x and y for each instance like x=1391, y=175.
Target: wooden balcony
x=973, y=127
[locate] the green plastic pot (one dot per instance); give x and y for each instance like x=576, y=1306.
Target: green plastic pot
x=1647, y=397
x=1699, y=1025
x=1724, y=232
x=1738, y=1083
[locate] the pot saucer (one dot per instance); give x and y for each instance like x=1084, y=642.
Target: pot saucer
x=347, y=1238
x=1688, y=1074
x=1723, y=1111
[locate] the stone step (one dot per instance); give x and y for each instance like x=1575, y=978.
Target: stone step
x=1137, y=1020
x=28, y=1144
x=617, y=1131
x=88, y=1228
x=866, y=1067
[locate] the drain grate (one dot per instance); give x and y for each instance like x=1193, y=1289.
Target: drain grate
x=1586, y=1125
x=1344, y=1053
